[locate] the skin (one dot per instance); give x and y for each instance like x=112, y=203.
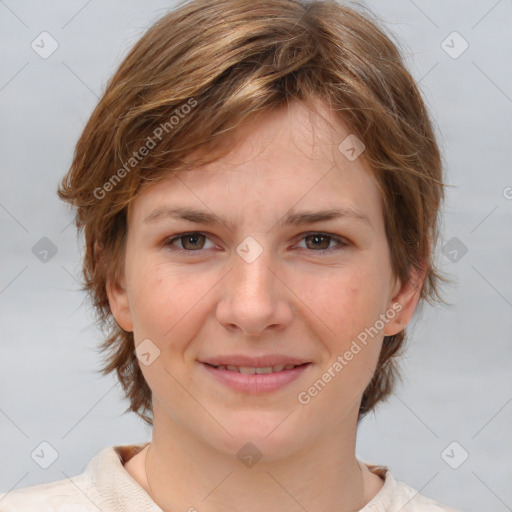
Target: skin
x=293, y=299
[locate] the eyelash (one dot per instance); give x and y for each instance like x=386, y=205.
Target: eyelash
x=342, y=242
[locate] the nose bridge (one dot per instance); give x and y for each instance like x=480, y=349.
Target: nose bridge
x=252, y=298
x=251, y=278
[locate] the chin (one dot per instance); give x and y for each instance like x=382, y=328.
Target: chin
x=272, y=440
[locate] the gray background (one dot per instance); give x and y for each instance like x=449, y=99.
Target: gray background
x=457, y=384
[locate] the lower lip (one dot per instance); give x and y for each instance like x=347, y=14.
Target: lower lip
x=257, y=383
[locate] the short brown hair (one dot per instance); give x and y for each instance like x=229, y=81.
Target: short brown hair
x=209, y=66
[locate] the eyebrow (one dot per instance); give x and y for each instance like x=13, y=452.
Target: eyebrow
x=297, y=219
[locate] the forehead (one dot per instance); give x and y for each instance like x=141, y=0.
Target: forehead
x=287, y=157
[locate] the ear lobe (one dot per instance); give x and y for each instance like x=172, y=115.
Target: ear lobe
x=404, y=302
x=119, y=303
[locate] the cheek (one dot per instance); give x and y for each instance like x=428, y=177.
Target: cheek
x=358, y=325
x=164, y=300
x=346, y=300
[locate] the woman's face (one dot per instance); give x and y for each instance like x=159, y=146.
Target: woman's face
x=285, y=262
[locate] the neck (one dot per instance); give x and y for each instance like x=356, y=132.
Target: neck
x=182, y=473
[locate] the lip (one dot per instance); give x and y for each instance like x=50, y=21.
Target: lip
x=254, y=361
x=257, y=383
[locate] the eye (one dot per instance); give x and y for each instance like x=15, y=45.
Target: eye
x=320, y=242
x=195, y=241
x=189, y=242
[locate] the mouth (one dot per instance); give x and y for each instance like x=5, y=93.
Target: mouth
x=256, y=378
x=256, y=370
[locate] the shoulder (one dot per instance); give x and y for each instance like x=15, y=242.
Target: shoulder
x=408, y=499
x=396, y=496
x=55, y=496
x=103, y=485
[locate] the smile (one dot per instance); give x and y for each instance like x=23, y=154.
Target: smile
x=250, y=370
x=256, y=379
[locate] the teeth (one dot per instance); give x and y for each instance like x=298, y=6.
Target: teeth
x=267, y=369
x=248, y=370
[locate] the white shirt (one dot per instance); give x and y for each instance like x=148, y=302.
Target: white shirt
x=106, y=486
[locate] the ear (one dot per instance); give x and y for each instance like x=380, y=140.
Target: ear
x=405, y=299
x=119, y=303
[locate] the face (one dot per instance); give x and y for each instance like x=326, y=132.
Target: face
x=264, y=275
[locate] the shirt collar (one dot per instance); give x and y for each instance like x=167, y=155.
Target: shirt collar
x=118, y=489
x=121, y=491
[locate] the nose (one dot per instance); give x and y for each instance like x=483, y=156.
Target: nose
x=255, y=297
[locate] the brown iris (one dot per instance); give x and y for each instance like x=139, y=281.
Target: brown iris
x=317, y=244
x=193, y=239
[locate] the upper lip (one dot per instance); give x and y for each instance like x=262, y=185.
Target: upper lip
x=263, y=361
